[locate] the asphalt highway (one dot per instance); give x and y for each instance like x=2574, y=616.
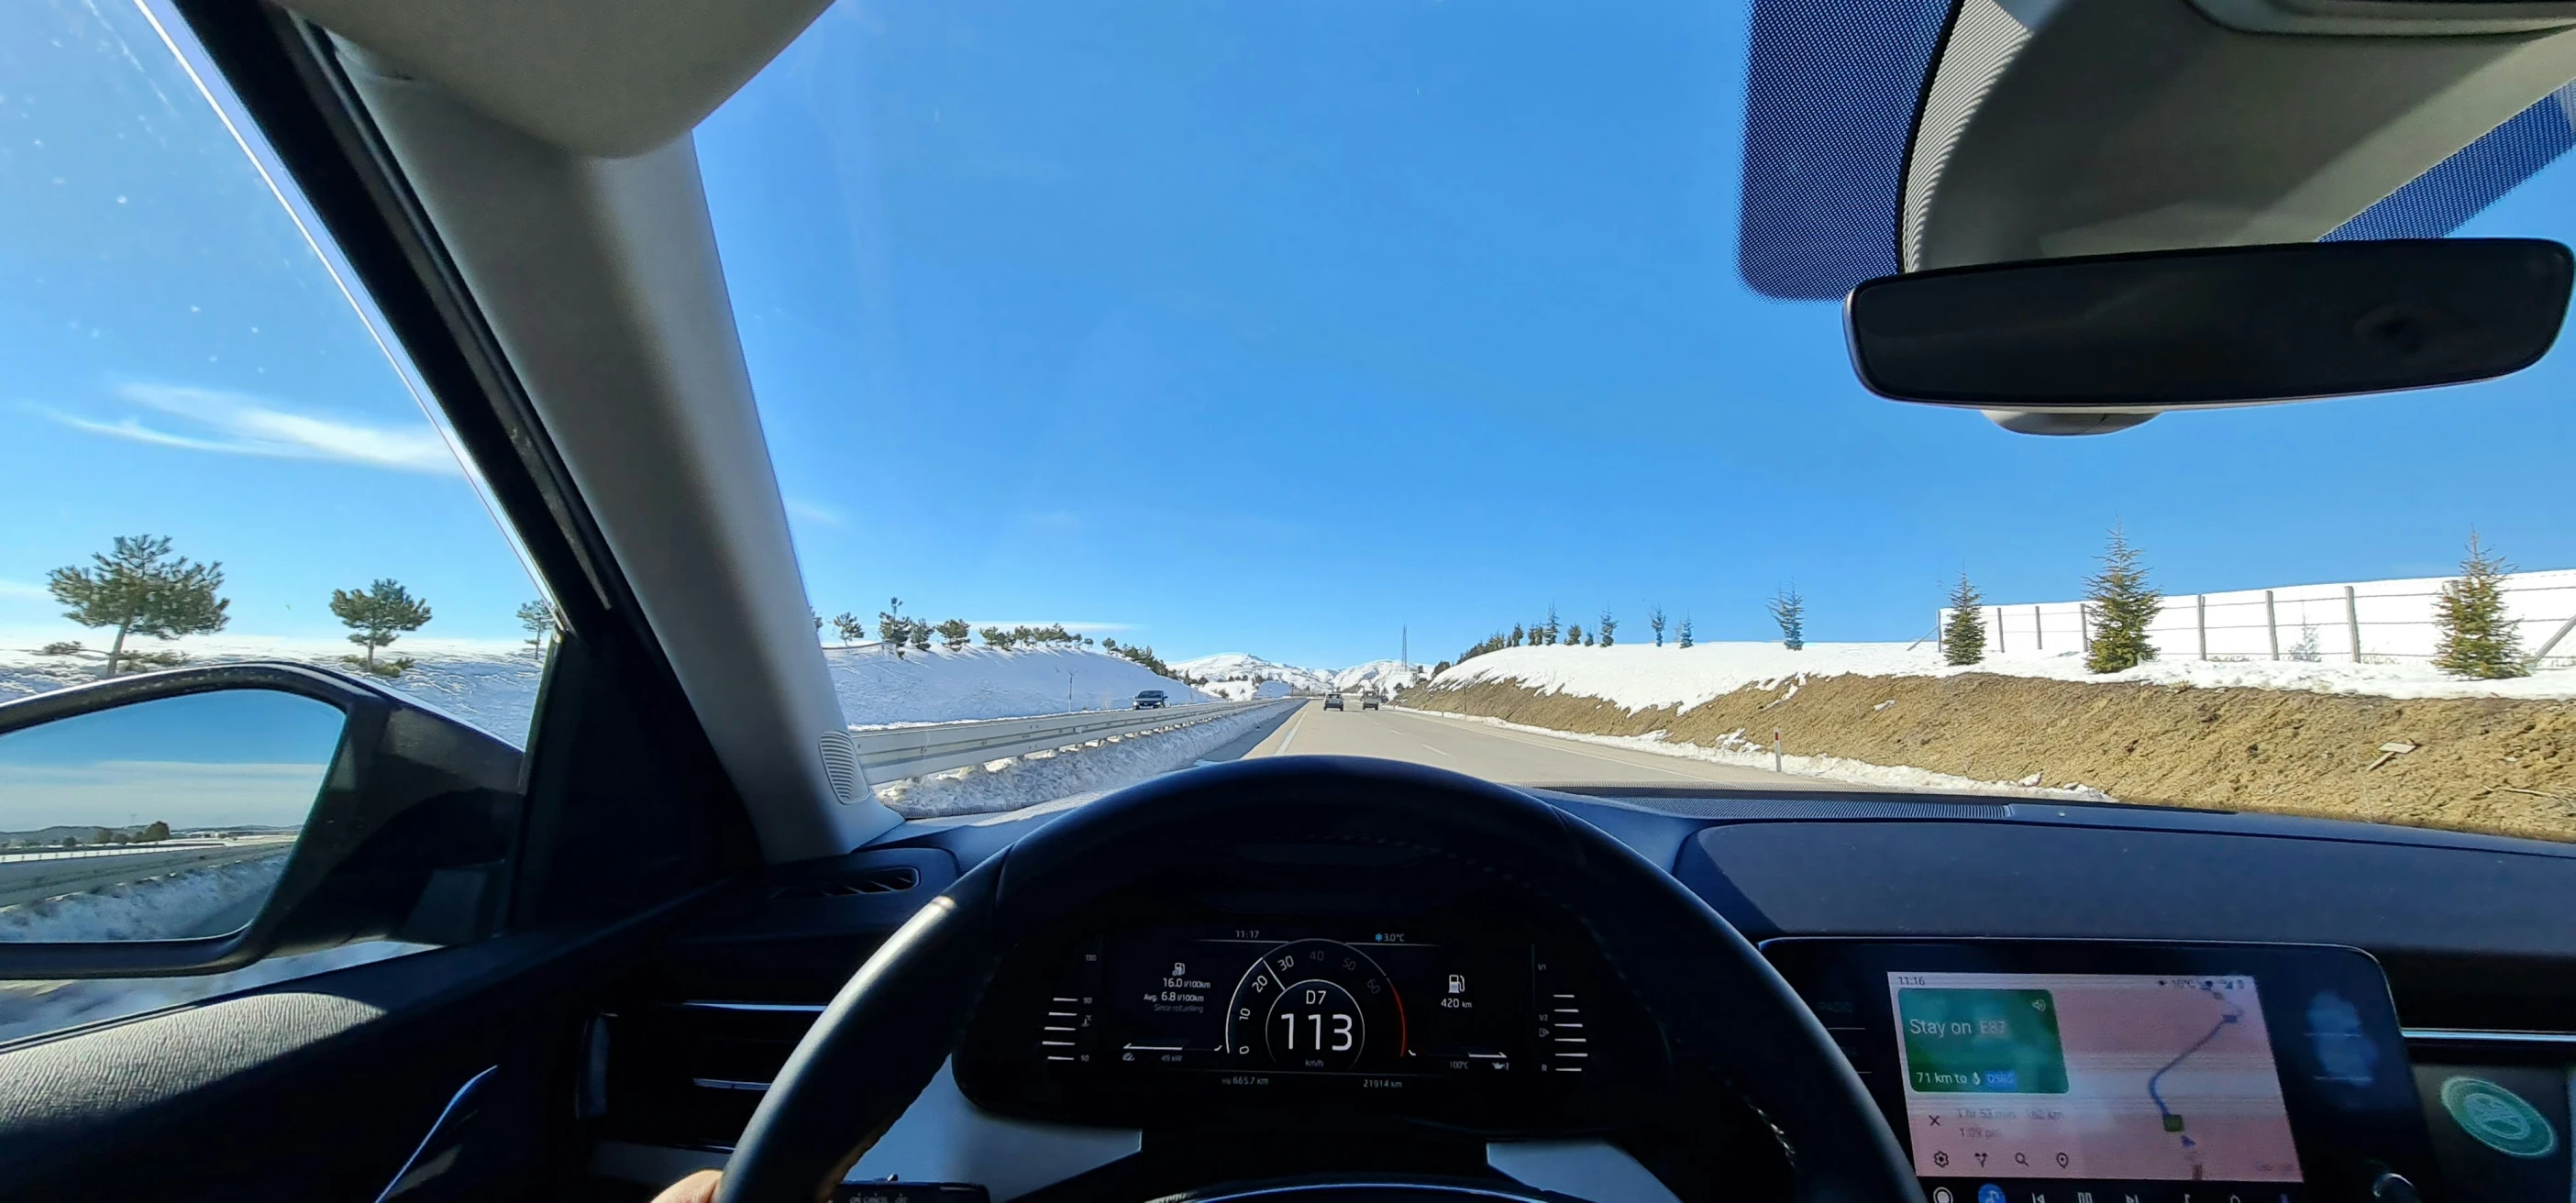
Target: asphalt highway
x=1496, y=754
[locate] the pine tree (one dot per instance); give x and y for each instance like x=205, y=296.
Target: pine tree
x=140, y=588
x=1551, y=628
x=1685, y=632
x=2477, y=640
x=849, y=628
x=1790, y=611
x=1607, y=628
x=378, y=615
x=1655, y=623
x=995, y=638
x=2122, y=605
x=920, y=632
x=538, y=620
x=893, y=629
x=954, y=632
x=1574, y=636
x=1963, y=637
x=1516, y=636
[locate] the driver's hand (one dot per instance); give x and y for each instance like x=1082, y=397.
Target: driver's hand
x=699, y=1187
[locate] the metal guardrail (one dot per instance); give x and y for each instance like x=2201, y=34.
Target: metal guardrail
x=31, y=880
x=894, y=753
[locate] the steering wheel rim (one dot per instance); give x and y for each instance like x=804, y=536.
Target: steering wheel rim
x=905, y=1010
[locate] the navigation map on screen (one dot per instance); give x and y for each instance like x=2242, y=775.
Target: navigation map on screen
x=2032, y=1075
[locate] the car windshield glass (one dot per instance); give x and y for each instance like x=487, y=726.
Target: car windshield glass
x=1483, y=364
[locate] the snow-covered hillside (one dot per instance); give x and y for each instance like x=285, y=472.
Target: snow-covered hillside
x=1379, y=676
x=940, y=686
x=494, y=685
x=1237, y=666
x=1382, y=676
x=1639, y=676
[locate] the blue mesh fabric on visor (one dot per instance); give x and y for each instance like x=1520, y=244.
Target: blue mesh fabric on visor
x=1830, y=88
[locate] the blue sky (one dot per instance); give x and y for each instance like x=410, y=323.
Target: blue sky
x=1264, y=328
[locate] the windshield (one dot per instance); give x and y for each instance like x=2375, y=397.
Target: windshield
x=1484, y=361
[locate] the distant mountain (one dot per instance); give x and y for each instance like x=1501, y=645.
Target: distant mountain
x=1236, y=666
x=1382, y=676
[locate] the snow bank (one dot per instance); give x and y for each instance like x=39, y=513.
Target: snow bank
x=494, y=686
x=1245, y=691
x=941, y=686
x=159, y=908
x=1642, y=676
x=1023, y=781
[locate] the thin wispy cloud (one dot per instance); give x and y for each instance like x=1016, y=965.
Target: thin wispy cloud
x=230, y=423
x=818, y=514
x=22, y=591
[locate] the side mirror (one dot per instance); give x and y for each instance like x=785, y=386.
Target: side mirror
x=197, y=820
x=2086, y=345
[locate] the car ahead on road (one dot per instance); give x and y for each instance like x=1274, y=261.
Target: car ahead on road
x=678, y=927
x=1150, y=699
x=1368, y=701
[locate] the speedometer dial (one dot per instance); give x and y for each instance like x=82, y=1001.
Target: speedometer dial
x=1316, y=1005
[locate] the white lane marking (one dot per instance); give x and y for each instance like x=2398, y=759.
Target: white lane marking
x=1436, y=752
x=1559, y=746
x=1291, y=736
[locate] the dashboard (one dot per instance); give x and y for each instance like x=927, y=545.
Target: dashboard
x=1392, y=1005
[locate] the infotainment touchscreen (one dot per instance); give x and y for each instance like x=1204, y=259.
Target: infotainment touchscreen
x=2090, y=1076
x=2063, y=1071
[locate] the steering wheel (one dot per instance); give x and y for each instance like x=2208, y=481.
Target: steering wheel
x=905, y=1011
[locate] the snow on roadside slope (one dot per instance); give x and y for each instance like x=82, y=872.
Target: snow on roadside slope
x=1023, y=781
x=940, y=686
x=494, y=686
x=1641, y=676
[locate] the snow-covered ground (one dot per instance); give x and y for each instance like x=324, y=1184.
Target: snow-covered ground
x=1640, y=676
x=941, y=686
x=494, y=685
x=1245, y=691
x=1383, y=676
x=1023, y=781
x=161, y=908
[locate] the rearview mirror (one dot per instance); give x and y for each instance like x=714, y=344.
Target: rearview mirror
x=197, y=820
x=2102, y=342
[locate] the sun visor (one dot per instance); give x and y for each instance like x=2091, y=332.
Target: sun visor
x=601, y=78
x=2050, y=128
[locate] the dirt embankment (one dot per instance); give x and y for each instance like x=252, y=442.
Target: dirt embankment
x=2480, y=764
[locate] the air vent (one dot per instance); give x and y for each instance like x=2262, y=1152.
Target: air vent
x=892, y=880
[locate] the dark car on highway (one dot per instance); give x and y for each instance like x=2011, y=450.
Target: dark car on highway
x=1332, y=701
x=1151, y=699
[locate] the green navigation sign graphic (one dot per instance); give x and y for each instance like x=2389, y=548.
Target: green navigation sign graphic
x=1981, y=1041
x=2498, y=1117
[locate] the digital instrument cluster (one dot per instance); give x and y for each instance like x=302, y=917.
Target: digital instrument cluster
x=1302, y=1000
